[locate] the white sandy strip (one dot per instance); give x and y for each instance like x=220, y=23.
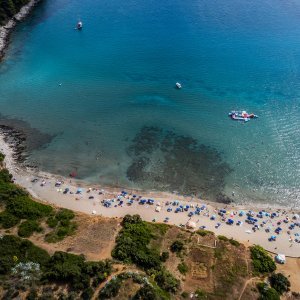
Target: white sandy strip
x=50, y=194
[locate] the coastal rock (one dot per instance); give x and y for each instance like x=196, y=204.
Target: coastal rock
x=10, y=25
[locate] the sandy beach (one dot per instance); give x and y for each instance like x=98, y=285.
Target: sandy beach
x=92, y=200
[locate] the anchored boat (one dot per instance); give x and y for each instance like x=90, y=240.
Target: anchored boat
x=241, y=116
x=79, y=25
x=178, y=85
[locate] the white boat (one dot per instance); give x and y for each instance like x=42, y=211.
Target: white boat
x=178, y=85
x=79, y=25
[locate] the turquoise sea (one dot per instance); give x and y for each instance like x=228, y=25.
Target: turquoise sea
x=117, y=109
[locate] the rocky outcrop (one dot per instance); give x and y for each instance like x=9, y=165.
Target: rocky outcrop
x=10, y=25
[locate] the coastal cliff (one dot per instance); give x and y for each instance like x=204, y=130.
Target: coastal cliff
x=6, y=29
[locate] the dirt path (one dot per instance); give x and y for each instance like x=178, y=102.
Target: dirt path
x=121, y=269
x=245, y=285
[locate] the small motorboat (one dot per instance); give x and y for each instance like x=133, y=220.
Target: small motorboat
x=79, y=25
x=178, y=85
x=241, y=116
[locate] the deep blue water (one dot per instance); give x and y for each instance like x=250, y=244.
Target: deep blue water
x=118, y=75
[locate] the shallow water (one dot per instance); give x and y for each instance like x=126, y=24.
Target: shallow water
x=117, y=76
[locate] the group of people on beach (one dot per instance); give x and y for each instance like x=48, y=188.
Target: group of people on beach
x=273, y=223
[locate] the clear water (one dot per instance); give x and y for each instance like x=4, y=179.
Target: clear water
x=118, y=75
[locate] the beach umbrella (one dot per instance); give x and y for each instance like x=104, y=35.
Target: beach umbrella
x=296, y=217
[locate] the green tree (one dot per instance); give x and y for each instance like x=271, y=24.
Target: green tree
x=262, y=261
x=280, y=283
x=177, y=246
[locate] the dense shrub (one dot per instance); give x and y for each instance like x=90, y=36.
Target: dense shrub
x=2, y=156
x=52, y=222
x=5, y=176
x=223, y=238
x=203, y=232
x=280, y=283
x=111, y=289
x=177, y=246
x=28, y=227
x=234, y=242
x=25, y=208
x=64, y=214
x=8, y=220
x=183, y=268
x=149, y=292
x=262, y=262
x=62, y=225
x=267, y=293
x=74, y=270
x=14, y=249
x=132, y=244
x=164, y=256
x=87, y=294
x=60, y=232
x=167, y=281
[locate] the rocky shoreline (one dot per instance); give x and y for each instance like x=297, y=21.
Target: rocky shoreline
x=6, y=30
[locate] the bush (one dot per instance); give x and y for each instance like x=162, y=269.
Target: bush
x=111, y=289
x=74, y=270
x=262, y=262
x=87, y=294
x=280, y=283
x=25, y=208
x=65, y=214
x=167, y=281
x=200, y=294
x=203, y=232
x=27, y=228
x=2, y=156
x=183, y=268
x=164, y=256
x=132, y=244
x=148, y=292
x=52, y=222
x=222, y=238
x=5, y=176
x=185, y=295
x=267, y=293
x=177, y=246
x=14, y=249
x=8, y=220
x=61, y=232
x=234, y=242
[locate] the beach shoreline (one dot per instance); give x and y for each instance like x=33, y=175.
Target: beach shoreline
x=91, y=199
x=6, y=30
